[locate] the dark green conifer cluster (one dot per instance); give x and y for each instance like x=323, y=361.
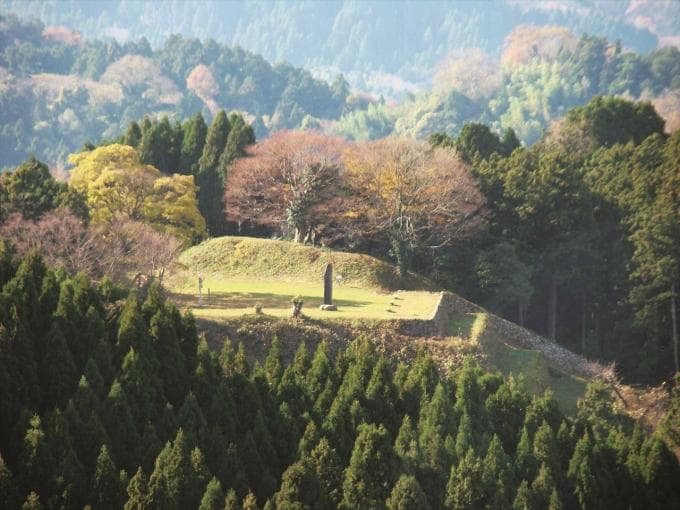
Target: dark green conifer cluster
x=194, y=148
x=117, y=403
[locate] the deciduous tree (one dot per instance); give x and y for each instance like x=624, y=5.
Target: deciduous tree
x=286, y=182
x=414, y=197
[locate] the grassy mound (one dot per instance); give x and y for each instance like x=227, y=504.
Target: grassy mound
x=247, y=257
x=240, y=272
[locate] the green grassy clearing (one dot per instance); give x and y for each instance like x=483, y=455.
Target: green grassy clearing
x=240, y=272
x=232, y=297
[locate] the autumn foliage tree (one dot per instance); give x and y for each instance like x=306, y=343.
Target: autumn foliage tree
x=116, y=184
x=413, y=196
x=287, y=181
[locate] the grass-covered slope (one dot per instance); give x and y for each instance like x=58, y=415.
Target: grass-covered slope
x=247, y=257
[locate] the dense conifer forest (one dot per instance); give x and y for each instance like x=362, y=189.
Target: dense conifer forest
x=110, y=399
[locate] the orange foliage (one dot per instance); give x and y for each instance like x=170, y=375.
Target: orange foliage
x=203, y=84
x=668, y=106
x=287, y=182
x=63, y=35
x=661, y=17
x=469, y=71
x=528, y=42
x=408, y=191
x=136, y=70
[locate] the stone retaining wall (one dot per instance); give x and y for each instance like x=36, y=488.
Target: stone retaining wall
x=510, y=332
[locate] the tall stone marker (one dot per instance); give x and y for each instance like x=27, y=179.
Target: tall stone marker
x=200, y=290
x=328, y=285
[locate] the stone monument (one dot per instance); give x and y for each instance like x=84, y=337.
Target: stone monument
x=200, y=290
x=328, y=289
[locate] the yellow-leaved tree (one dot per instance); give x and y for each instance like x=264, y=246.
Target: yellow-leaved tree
x=414, y=197
x=117, y=184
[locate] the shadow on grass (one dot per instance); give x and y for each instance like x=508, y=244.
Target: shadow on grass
x=248, y=300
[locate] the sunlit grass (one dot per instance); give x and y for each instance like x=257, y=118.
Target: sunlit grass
x=231, y=297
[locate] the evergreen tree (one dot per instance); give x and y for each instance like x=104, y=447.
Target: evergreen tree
x=545, y=449
x=506, y=411
x=465, y=488
x=301, y=363
x=273, y=363
x=419, y=383
x=179, y=476
x=213, y=497
x=195, y=131
x=231, y=501
x=555, y=503
x=328, y=470
x=543, y=486
x=83, y=413
x=171, y=362
x=160, y=146
x=94, y=378
x=240, y=136
x=107, y=491
x=525, y=462
x=309, y=440
x=132, y=330
x=190, y=417
x=133, y=135
x=8, y=489
x=498, y=474
x=660, y=472
x=372, y=469
x=407, y=495
x=137, y=492
x=69, y=477
x=589, y=475
x=30, y=190
x=319, y=371
x=250, y=502
x=208, y=178
x=406, y=446
x=465, y=437
x=32, y=502
x=37, y=459
x=381, y=395
x=58, y=370
x=524, y=498
x=120, y=426
x=300, y=489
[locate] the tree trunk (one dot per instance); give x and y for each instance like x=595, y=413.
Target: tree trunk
x=583, y=324
x=674, y=323
x=552, y=310
x=520, y=313
x=299, y=233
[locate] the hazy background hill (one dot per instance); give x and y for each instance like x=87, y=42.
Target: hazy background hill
x=72, y=71
x=366, y=40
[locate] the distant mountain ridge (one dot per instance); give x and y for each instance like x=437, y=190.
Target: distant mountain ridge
x=358, y=38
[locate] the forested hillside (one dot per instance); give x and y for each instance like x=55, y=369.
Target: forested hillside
x=368, y=40
x=114, y=401
x=541, y=74
x=58, y=90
